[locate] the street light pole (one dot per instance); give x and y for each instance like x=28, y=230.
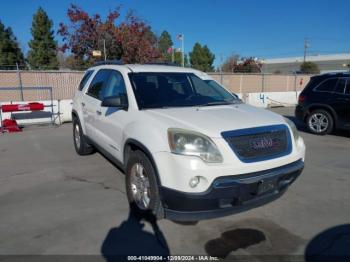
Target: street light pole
x=306, y=46
x=183, y=50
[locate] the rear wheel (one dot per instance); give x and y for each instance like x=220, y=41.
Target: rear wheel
x=80, y=142
x=141, y=185
x=320, y=122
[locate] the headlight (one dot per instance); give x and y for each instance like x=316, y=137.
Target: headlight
x=293, y=128
x=190, y=143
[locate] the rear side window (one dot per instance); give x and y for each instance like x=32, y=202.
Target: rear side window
x=327, y=85
x=340, y=87
x=347, y=89
x=85, y=78
x=97, y=84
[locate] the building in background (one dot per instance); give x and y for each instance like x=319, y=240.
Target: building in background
x=326, y=63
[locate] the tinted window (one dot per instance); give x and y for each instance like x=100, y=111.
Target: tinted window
x=347, y=89
x=84, y=80
x=157, y=90
x=327, y=85
x=340, y=87
x=203, y=88
x=115, y=85
x=96, y=86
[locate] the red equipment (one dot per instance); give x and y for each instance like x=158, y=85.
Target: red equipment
x=10, y=125
x=35, y=106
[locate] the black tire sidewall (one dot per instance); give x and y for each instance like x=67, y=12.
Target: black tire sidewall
x=75, y=123
x=155, y=203
x=329, y=118
x=85, y=148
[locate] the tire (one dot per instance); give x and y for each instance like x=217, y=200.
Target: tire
x=320, y=122
x=79, y=139
x=137, y=164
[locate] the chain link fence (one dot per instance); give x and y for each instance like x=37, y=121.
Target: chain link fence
x=64, y=83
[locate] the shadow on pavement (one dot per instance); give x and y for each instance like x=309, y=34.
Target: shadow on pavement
x=130, y=238
x=330, y=245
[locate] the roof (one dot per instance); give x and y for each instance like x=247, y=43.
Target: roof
x=138, y=68
x=313, y=58
x=347, y=74
x=156, y=68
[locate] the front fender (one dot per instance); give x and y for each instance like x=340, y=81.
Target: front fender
x=151, y=135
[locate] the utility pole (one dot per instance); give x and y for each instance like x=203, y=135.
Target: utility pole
x=104, y=49
x=306, y=46
x=20, y=81
x=172, y=54
x=221, y=61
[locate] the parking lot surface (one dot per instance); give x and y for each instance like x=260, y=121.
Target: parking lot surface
x=53, y=201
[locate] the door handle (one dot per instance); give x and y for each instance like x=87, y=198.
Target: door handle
x=83, y=104
x=98, y=112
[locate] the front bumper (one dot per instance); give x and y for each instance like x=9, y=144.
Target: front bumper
x=230, y=194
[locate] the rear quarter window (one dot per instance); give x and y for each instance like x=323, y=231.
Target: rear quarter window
x=84, y=80
x=340, y=88
x=327, y=85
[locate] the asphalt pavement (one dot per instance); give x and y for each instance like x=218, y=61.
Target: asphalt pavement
x=53, y=201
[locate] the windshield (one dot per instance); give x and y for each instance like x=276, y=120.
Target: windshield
x=161, y=90
x=215, y=85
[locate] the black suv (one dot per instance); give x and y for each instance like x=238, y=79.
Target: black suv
x=324, y=104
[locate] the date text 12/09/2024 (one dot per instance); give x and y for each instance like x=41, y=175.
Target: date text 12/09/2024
x=172, y=258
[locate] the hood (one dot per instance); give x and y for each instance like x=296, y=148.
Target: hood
x=212, y=120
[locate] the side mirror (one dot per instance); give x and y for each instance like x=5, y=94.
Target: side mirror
x=115, y=101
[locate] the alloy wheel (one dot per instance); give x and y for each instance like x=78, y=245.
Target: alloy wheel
x=318, y=123
x=77, y=136
x=140, y=186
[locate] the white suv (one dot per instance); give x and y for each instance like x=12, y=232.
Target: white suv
x=189, y=148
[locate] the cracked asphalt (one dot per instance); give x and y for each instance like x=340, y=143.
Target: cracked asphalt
x=53, y=201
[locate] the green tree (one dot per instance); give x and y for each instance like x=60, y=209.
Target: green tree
x=164, y=42
x=309, y=68
x=202, y=58
x=10, y=53
x=43, y=47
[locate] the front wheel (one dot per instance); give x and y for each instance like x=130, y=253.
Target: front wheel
x=320, y=122
x=80, y=144
x=141, y=186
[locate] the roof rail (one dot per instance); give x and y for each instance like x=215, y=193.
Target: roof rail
x=161, y=63
x=109, y=62
x=337, y=73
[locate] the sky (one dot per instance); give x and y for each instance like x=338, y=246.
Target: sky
x=263, y=29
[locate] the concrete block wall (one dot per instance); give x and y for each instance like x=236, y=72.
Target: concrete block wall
x=62, y=108
x=270, y=99
x=61, y=112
